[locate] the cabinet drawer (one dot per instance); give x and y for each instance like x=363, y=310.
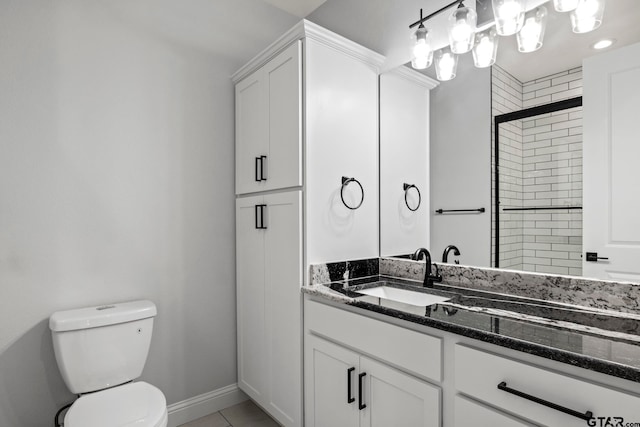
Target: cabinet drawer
x=478, y=374
x=470, y=413
x=406, y=349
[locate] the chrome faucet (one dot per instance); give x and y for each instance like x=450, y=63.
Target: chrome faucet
x=428, y=277
x=445, y=254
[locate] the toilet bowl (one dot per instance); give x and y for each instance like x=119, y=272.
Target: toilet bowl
x=136, y=404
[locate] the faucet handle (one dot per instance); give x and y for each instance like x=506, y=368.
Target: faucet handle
x=436, y=277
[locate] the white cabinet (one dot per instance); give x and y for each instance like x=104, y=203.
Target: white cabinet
x=269, y=125
x=404, y=161
x=269, y=276
x=306, y=115
x=346, y=389
x=542, y=396
x=470, y=413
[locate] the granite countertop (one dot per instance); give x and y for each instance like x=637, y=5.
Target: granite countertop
x=591, y=338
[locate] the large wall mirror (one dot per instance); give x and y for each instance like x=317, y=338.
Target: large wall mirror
x=541, y=192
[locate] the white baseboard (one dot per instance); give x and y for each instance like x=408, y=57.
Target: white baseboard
x=204, y=404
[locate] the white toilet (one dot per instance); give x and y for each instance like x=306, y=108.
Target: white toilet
x=100, y=351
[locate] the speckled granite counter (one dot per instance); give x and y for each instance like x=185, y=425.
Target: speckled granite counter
x=588, y=337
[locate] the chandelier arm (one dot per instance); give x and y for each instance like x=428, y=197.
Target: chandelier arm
x=453, y=3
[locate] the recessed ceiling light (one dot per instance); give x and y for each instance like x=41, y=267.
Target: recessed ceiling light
x=603, y=44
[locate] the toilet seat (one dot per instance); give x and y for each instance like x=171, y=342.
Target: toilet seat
x=136, y=404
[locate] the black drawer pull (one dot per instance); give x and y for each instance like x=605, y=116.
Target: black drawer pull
x=586, y=416
x=350, y=399
x=361, y=405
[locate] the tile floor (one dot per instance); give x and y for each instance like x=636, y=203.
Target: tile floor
x=245, y=414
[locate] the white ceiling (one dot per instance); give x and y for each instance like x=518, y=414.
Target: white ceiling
x=562, y=49
x=299, y=8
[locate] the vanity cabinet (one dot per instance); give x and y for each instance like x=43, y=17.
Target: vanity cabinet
x=514, y=386
x=269, y=123
x=447, y=379
x=470, y=413
x=269, y=273
x=347, y=389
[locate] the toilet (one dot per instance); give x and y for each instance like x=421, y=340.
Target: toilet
x=100, y=351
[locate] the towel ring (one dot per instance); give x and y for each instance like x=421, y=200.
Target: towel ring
x=346, y=181
x=406, y=188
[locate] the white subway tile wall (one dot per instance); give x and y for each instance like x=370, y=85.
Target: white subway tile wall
x=540, y=165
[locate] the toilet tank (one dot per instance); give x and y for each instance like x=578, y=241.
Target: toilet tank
x=104, y=346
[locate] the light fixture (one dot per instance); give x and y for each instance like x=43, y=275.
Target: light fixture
x=485, y=48
x=446, y=64
x=422, y=51
x=565, y=5
x=509, y=16
x=532, y=32
x=603, y=44
x=462, y=26
x=587, y=16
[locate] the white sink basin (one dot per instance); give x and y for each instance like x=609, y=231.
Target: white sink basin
x=404, y=296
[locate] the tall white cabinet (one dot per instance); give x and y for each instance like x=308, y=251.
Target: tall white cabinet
x=306, y=139
x=404, y=161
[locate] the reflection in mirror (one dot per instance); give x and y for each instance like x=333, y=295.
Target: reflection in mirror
x=461, y=146
x=538, y=181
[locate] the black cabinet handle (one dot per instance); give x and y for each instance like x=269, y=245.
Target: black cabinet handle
x=350, y=399
x=258, y=172
x=260, y=214
x=586, y=416
x=262, y=168
x=361, y=405
x=257, y=213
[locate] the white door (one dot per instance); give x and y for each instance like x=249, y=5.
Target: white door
x=250, y=298
x=611, y=98
x=283, y=279
x=251, y=133
x=331, y=385
x=396, y=399
x=283, y=83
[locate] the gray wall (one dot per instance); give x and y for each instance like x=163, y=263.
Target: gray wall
x=460, y=120
x=461, y=163
x=116, y=182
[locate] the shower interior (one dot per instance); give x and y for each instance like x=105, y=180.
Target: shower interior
x=538, y=182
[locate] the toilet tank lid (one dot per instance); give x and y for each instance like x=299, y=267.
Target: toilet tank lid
x=102, y=315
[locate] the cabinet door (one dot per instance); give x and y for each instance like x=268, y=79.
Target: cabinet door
x=396, y=399
x=329, y=370
x=250, y=298
x=251, y=132
x=283, y=85
x=283, y=279
x=469, y=413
